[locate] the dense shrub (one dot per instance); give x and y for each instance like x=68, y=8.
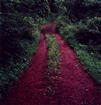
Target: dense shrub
x=84, y=38
x=80, y=9
x=19, y=40
x=89, y=33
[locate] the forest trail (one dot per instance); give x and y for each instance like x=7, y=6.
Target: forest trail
x=72, y=87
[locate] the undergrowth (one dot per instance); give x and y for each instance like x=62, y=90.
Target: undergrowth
x=84, y=38
x=17, y=62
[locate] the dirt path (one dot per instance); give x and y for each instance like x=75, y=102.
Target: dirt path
x=72, y=87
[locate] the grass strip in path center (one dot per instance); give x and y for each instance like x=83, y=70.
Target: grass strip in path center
x=53, y=70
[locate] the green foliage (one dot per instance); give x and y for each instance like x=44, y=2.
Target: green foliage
x=80, y=9
x=85, y=32
x=18, y=61
x=81, y=28
x=84, y=37
x=92, y=64
x=89, y=33
x=65, y=27
x=18, y=42
x=17, y=1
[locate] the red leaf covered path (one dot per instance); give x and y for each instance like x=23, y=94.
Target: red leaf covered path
x=72, y=87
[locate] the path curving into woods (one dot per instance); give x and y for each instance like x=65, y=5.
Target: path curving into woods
x=72, y=87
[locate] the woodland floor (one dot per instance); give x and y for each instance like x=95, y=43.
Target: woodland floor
x=72, y=87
